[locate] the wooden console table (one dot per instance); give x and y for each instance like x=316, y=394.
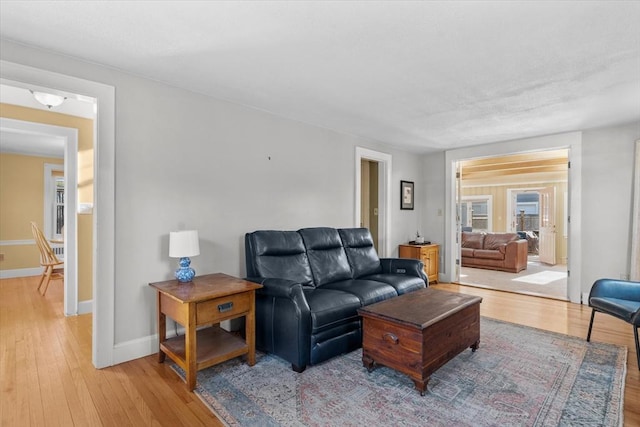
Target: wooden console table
x=207, y=300
x=428, y=254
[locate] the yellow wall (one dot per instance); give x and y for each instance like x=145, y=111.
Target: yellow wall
x=500, y=217
x=21, y=201
x=15, y=226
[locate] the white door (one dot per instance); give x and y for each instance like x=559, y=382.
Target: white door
x=547, y=244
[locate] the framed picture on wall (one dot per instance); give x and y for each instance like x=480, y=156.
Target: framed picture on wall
x=406, y=195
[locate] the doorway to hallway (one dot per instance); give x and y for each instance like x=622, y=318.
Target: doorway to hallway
x=373, y=206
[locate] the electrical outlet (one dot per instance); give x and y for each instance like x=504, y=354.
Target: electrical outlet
x=624, y=276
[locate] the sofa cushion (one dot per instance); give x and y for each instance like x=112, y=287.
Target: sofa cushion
x=361, y=253
x=467, y=252
x=368, y=291
x=495, y=240
x=488, y=254
x=326, y=255
x=472, y=240
x=330, y=308
x=400, y=282
x=277, y=254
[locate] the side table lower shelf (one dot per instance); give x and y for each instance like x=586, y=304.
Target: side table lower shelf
x=215, y=345
x=199, y=306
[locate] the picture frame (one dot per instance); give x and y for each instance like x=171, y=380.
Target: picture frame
x=406, y=195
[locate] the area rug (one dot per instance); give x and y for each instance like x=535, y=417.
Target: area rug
x=519, y=376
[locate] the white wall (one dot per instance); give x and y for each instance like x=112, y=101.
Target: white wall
x=602, y=235
x=184, y=160
x=433, y=219
x=607, y=179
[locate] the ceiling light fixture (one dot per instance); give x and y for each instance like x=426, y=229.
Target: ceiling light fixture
x=48, y=99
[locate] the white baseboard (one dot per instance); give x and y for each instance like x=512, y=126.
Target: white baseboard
x=20, y=272
x=85, y=307
x=135, y=349
x=144, y=346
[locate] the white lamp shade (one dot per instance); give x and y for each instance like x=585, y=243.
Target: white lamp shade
x=183, y=244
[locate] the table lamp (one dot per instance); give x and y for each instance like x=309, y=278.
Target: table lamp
x=184, y=244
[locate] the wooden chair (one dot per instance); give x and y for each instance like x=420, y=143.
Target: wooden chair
x=53, y=267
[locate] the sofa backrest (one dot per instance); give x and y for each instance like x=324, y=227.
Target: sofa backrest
x=327, y=257
x=472, y=240
x=494, y=241
x=361, y=253
x=277, y=254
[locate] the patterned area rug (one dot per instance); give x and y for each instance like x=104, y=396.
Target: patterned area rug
x=518, y=377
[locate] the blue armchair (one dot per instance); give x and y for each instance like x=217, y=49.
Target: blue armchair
x=618, y=298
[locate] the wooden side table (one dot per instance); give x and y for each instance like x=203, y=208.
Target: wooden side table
x=429, y=255
x=207, y=300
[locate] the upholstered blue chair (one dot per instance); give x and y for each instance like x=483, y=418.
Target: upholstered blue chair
x=619, y=298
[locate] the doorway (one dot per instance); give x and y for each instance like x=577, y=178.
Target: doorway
x=365, y=206
x=68, y=137
x=104, y=173
x=526, y=195
x=369, y=198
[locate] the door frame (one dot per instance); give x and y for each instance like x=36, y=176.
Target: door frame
x=571, y=141
x=70, y=167
x=384, y=194
x=103, y=325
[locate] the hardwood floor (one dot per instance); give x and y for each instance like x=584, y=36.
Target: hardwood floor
x=47, y=378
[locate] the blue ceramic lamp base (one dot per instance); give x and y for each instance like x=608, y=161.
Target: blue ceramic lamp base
x=185, y=273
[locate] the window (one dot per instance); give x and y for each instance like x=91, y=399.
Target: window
x=527, y=211
x=58, y=208
x=54, y=200
x=476, y=213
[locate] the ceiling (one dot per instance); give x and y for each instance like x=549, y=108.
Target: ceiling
x=423, y=76
x=549, y=164
x=35, y=143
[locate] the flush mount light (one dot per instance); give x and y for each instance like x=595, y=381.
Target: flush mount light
x=48, y=99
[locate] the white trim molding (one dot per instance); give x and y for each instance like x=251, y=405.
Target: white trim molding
x=384, y=194
x=135, y=349
x=635, y=220
x=20, y=272
x=85, y=307
x=26, y=242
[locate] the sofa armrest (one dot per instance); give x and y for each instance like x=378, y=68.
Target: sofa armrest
x=406, y=266
x=283, y=320
x=279, y=288
x=516, y=254
x=615, y=288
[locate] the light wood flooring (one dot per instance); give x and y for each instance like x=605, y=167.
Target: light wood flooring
x=46, y=375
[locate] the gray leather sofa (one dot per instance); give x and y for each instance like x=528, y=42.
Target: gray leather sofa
x=314, y=280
